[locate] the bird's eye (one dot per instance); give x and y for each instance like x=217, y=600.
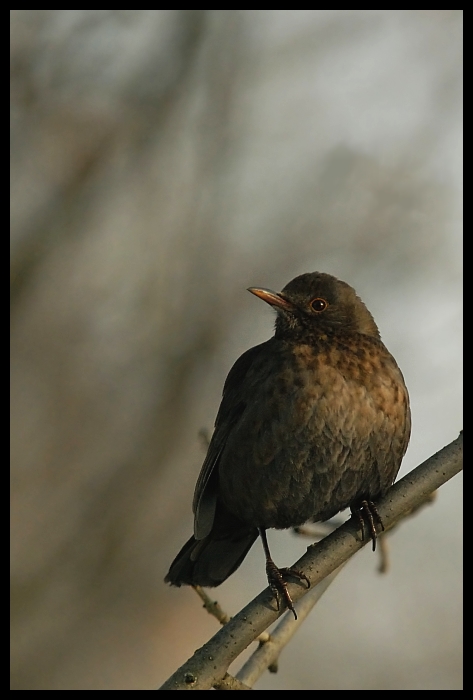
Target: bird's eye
x=318, y=304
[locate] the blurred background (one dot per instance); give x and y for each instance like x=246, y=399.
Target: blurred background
x=162, y=161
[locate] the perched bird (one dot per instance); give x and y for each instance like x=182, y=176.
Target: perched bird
x=311, y=422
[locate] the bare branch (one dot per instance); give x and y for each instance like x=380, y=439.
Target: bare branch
x=208, y=666
x=266, y=656
x=229, y=682
x=212, y=606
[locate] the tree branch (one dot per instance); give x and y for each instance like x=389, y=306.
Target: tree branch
x=266, y=655
x=208, y=666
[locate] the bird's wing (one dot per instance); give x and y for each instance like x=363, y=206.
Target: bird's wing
x=231, y=408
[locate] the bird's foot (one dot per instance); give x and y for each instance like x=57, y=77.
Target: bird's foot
x=278, y=585
x=366, y=512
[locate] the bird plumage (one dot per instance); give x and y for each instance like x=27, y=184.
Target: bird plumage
x=312, y=421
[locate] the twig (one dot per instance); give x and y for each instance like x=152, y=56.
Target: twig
x=212, y=606
x=229, y=682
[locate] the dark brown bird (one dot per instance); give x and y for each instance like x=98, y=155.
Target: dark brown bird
x=312, y=421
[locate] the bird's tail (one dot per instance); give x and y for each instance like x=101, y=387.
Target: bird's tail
x=210, y=561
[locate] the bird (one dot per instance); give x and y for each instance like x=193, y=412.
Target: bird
x=313, y=421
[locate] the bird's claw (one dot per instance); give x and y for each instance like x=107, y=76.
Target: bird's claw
x=366, y=512
x=278, y=585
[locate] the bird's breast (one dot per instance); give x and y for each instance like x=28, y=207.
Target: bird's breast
x=323, y=426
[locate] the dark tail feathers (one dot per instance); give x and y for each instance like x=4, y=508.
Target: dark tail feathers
x=211, y=561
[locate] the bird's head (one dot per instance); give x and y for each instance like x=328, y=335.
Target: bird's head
x=316, y=304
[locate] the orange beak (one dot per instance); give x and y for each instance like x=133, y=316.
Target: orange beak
x=272, y=298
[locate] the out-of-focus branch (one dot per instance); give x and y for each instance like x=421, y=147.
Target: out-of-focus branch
x=208, y=666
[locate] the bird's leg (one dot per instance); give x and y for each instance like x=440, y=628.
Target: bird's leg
x=276, y=576
x=366, y=511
